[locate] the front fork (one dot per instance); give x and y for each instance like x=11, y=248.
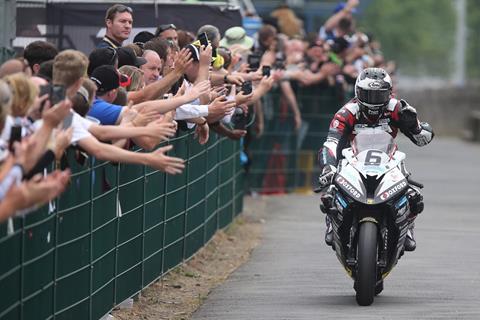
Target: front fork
x=351, y=258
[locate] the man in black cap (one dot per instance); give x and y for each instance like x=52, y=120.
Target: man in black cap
x=107, y=80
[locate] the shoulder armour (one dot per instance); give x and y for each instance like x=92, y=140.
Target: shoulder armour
x=352, y=107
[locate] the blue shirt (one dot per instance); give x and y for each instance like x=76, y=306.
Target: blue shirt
x=106, y=112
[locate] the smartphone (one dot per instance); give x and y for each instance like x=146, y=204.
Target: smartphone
x=57, y=94
x=266, y=71
x=247, y=87
x=15, y=135
x=203, y=39
x=45, y=89
x=253, y=61
x=67, y=122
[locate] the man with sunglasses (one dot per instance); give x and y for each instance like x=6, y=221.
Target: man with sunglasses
x=118, y=21
x=167, y=32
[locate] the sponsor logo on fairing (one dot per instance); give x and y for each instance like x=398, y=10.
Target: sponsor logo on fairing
x=342, y=182
x=387, y=194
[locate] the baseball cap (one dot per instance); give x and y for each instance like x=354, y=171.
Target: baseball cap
x=143, y=36
x=195, y=51
x=101, y=56
x=127, y=57
x=106, y=78
x=236, y=35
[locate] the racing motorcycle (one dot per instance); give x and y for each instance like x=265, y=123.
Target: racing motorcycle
x=370, y=210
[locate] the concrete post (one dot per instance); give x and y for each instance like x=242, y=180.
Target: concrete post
x=7, y=22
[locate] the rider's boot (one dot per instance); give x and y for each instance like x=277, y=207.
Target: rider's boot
x=326, y=206
x=379, y=287
x=415, y=200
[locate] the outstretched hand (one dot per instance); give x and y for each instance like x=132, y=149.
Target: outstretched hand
x=160, y=161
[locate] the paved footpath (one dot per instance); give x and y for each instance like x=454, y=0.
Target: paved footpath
x=293, y=275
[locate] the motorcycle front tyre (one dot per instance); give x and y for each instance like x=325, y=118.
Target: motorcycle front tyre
x=366, y=263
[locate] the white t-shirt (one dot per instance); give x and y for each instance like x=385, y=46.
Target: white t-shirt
x=80, y=128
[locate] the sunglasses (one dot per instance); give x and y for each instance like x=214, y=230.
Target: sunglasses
x=165, y=27
x=124, y=80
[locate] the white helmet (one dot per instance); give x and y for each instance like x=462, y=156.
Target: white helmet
x=372, y=90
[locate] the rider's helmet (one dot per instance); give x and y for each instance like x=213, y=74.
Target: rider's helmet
x=372, y=90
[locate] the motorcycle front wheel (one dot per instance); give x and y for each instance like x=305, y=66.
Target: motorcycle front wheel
x=366, y=263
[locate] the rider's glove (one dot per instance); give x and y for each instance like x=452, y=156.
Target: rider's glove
x=408, y=116
x=326, y=178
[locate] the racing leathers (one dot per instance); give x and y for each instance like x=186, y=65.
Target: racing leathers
x=351, y=119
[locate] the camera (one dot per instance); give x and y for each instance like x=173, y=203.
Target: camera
x=247, y=87
x=239, y=119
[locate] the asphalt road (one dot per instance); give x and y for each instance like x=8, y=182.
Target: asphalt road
x=293, y=275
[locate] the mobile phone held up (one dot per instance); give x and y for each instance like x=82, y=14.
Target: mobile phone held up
x=203, y=38
x=15, y=135
x=253, y=61
x=56, y=93
x=266, y=71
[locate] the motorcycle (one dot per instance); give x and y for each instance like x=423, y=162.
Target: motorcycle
x=370, y=210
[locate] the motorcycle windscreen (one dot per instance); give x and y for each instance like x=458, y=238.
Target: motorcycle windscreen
x=373, y=139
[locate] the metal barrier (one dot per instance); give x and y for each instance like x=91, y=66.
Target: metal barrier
x=284, y=160
x=115, y=230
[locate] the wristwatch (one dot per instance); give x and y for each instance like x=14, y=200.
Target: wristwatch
x=225, y=79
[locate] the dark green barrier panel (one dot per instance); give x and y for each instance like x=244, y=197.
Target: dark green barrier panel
x=115, y=230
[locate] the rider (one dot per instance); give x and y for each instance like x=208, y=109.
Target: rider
x=373, y=106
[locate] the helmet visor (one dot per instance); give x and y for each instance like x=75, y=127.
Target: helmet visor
x=374, y=97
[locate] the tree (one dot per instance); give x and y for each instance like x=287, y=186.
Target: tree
x=419, y=35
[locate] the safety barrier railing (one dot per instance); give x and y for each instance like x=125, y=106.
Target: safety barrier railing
x=284, y=160
x=115, y=230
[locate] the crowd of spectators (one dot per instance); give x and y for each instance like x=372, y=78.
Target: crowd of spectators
x=121, y=95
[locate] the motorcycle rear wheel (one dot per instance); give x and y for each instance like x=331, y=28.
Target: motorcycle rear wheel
x=366, y=263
